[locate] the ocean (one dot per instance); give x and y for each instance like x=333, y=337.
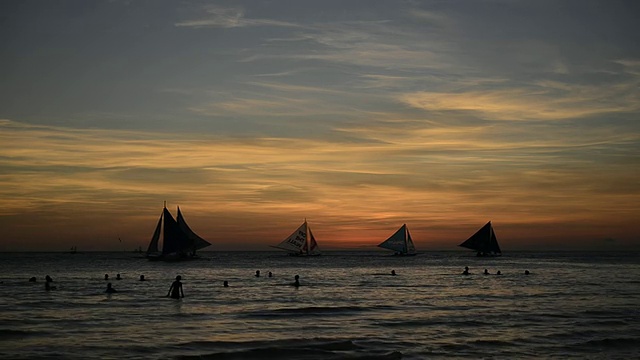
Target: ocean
x=348, y=306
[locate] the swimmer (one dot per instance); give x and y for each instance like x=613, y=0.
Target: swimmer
x=110, y=290
x=48, y=286
x=225, y=283
x=175, y=290
x=270, y=274
x=118, y=277
x=393, y=273
x=526, y=272
x=257, y=273
x=32, y=279
x=296, y=283
x=498, y=273
x=142, y=278
x=486, y=272
x=106, y=276
x=466, y=271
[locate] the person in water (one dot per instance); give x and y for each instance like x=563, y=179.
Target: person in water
x=296, y=283
x=270, y=274
x=32, y=279
x=106, y=276
x=526, y=272
x=498, y=273
x=141, y=277
x=47, y=283
x=118, y=277
x=466, y=271
x=486, y=272
x=175, y=290
x=110, y=290
x=257, y=273
x=225, y=283
x=393, y=273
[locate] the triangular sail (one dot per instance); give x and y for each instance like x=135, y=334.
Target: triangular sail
x=397, y=242
x=484, y=241
x=195, y=241
x=174, y=240
x=153, y=245
x=313, y=244
x=411, y=248
x=295, y=242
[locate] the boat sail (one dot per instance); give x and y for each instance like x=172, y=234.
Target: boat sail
x=400, y=242
x=484, y=241
x=179, y=242
x=300, y=243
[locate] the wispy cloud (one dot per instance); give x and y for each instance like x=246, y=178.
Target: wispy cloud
x=228, y=17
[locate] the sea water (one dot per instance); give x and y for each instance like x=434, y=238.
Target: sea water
x=571, y=305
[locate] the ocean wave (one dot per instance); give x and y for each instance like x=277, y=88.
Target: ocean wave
x=611, y=343
x=432, y=322
x=7, y=334
x=285, y=349
x=311, y=311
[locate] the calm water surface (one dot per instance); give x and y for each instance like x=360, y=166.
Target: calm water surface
x=572, y=305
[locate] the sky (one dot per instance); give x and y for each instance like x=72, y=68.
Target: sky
x=358, y=116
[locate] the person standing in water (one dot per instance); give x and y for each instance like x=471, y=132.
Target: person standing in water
x=296, y=283
x=47, y=283
x=110, y=289
x=175, y=290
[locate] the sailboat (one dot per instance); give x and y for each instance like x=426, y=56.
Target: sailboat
x=300, y=243
x=179, y=242
x=484, y=242
x=400, y=242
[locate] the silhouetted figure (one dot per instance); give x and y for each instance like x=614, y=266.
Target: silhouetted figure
x=498, y=273
x=257, y=273
x=526, y=272
x=225, y=283
x=47, y=283
x=141, y=277
x=296, y=283
x=110, y=290
x=32, y=279
x=486, y=272
x=466, y=271
x=175, y=290
x=270, y=274
x=106, y=276
x=118, y=277
x=393, y=273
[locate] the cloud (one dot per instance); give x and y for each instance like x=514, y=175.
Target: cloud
x=229, y=17
x=546, y=100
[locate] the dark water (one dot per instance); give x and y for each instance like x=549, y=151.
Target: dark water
x=572, y=305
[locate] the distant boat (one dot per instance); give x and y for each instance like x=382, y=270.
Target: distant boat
x=179, y=242
x=400, y=242
x=484, y=242
x=300, y=243
x=73, y=250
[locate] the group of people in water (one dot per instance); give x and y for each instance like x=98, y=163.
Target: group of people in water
x=486, y=272
x=176, y=291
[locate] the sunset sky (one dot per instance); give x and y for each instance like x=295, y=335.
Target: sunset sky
x=356, y=115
